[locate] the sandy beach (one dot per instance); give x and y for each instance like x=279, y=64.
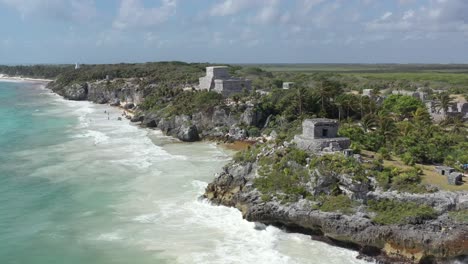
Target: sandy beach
x=4, y=77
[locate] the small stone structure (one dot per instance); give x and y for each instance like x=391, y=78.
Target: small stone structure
x=444, y=170
x=288, y=85
x=320, y=135
x=218, y=79
x=416, y=94
x=77, y=66
x=462, y=108
x=455, y=178
x=368, y=92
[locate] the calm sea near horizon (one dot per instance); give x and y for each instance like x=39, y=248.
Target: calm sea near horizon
x=76, y=187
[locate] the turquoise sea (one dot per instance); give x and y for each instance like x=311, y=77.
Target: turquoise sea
x=79, y=186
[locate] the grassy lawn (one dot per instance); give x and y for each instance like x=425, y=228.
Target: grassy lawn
x=449, y=78
x=430, y=176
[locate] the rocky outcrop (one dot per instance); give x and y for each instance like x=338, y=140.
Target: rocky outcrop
x=76, y=92
x=103, y=91
x=221, y=122
x=435, y=241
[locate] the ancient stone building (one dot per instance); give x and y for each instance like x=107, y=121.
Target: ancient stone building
x=288, y=85
x=462, y=108
x=320, y=135
x=455, y=178
x=418, y=94
x=444, y=170
x=368, y=93
x=218, y=79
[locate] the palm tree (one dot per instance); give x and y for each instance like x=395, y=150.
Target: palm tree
x=368, y=123
x=443, y=102
x=386, y=126
x=325, y=91
x=421, y=116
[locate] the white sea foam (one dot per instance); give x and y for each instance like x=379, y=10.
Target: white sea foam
x=147, y=218
x=114, y=236
x=155, y=192
x=99, y=137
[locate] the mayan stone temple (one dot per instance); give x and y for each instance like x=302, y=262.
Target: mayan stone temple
x=218, y=79
x=320, y=135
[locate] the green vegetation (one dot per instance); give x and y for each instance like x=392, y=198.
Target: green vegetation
x=403, y=180
x=393, y=212
x=337, y=163
x=340, y=203
x=248, y=155
x=284, y=175
x=36, y=71
x=460, y=216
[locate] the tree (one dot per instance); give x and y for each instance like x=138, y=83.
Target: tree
x=443, y=102
x=325, y=90
x=402, y=105
x=386, y=126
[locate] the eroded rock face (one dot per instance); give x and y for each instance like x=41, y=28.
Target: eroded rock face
x=76, y=92
x=433, y=241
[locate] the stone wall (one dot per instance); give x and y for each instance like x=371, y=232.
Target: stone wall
x=314, y=128
x=322, y=145
x=231, y=86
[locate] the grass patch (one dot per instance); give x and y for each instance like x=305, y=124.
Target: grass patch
x=459, y=216
x=340, y=203
x=392, y=212
x=283, y=175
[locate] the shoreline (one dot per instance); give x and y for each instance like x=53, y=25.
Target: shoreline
x=7, y=78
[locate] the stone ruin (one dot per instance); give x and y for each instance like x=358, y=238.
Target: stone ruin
x=368, y=92
x=218, y=79
x=444, y=170
x=320, y=135
x=416, y=94
x=453, y=177
x=288, y=85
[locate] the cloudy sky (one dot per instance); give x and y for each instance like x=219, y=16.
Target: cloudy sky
x=235, y=31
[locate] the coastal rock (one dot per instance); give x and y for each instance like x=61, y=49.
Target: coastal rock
x=237, y=133
x=129, y=106
x=115, y=102
x=432, y=241
x=188, y=133
x=251, y=117
x=76, y=92
x=137, y=118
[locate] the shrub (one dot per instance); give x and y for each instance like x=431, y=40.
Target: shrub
x=280, y=177
x=340, y=203
x=459, y=216
x=253, y=132
x=408, y=159
x=408, y=180
x=248, y=155
x=384, y=153
x=393, y=212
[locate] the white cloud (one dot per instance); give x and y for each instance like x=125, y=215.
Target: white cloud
x=76, y=10
x=230, y=7
x=386, y=16
x=133, y=14
x=268, y=13
x=436, y=16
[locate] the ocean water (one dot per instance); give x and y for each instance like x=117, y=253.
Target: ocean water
x=79, y=186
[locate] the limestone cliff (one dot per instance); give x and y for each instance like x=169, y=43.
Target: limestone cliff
x=439, y=240
x=220, y=122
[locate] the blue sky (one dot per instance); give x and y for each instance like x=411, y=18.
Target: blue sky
x=234, y=31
